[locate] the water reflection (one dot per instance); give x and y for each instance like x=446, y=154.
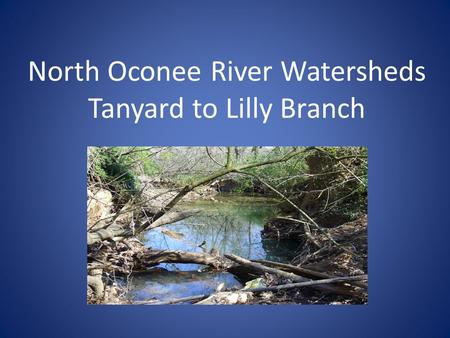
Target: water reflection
x=229, y=225
x=166, y=285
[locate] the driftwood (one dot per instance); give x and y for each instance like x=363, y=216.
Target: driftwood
x=154, y=257
x=292, y=268
x=291, y=276
x=304, y=272
x=309, y=283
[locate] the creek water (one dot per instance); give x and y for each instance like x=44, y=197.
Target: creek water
x=228, y=224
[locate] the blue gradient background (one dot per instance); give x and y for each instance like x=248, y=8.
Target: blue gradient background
x=47, y=126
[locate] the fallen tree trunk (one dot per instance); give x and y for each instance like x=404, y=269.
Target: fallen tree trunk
x=236, y=264
x=309, y=283
x=155, y=257
x=292, y=268
x=288, y=275
x=303, y=272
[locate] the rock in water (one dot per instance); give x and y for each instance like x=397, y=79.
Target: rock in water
x=227, y=298
x=255, y=283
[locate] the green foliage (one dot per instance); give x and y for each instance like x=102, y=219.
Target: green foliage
x=149, y=167
x=245, y=184
x=114, y=171
x=118, y=168
x=167, y=155
x=187, y=179
x=284, y=174
x=336, y=176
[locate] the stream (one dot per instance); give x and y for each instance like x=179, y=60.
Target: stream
x=229, y=224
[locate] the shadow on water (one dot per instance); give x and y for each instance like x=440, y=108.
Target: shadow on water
x=230, y=224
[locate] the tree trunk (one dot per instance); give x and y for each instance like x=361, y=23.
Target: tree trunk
x=293, y=277
x=304, y=272
x=155, y=257
x=113, y=231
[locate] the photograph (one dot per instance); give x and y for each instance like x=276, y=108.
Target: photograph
x=227, y=225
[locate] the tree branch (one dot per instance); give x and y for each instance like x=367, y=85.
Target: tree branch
x=94, y=238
